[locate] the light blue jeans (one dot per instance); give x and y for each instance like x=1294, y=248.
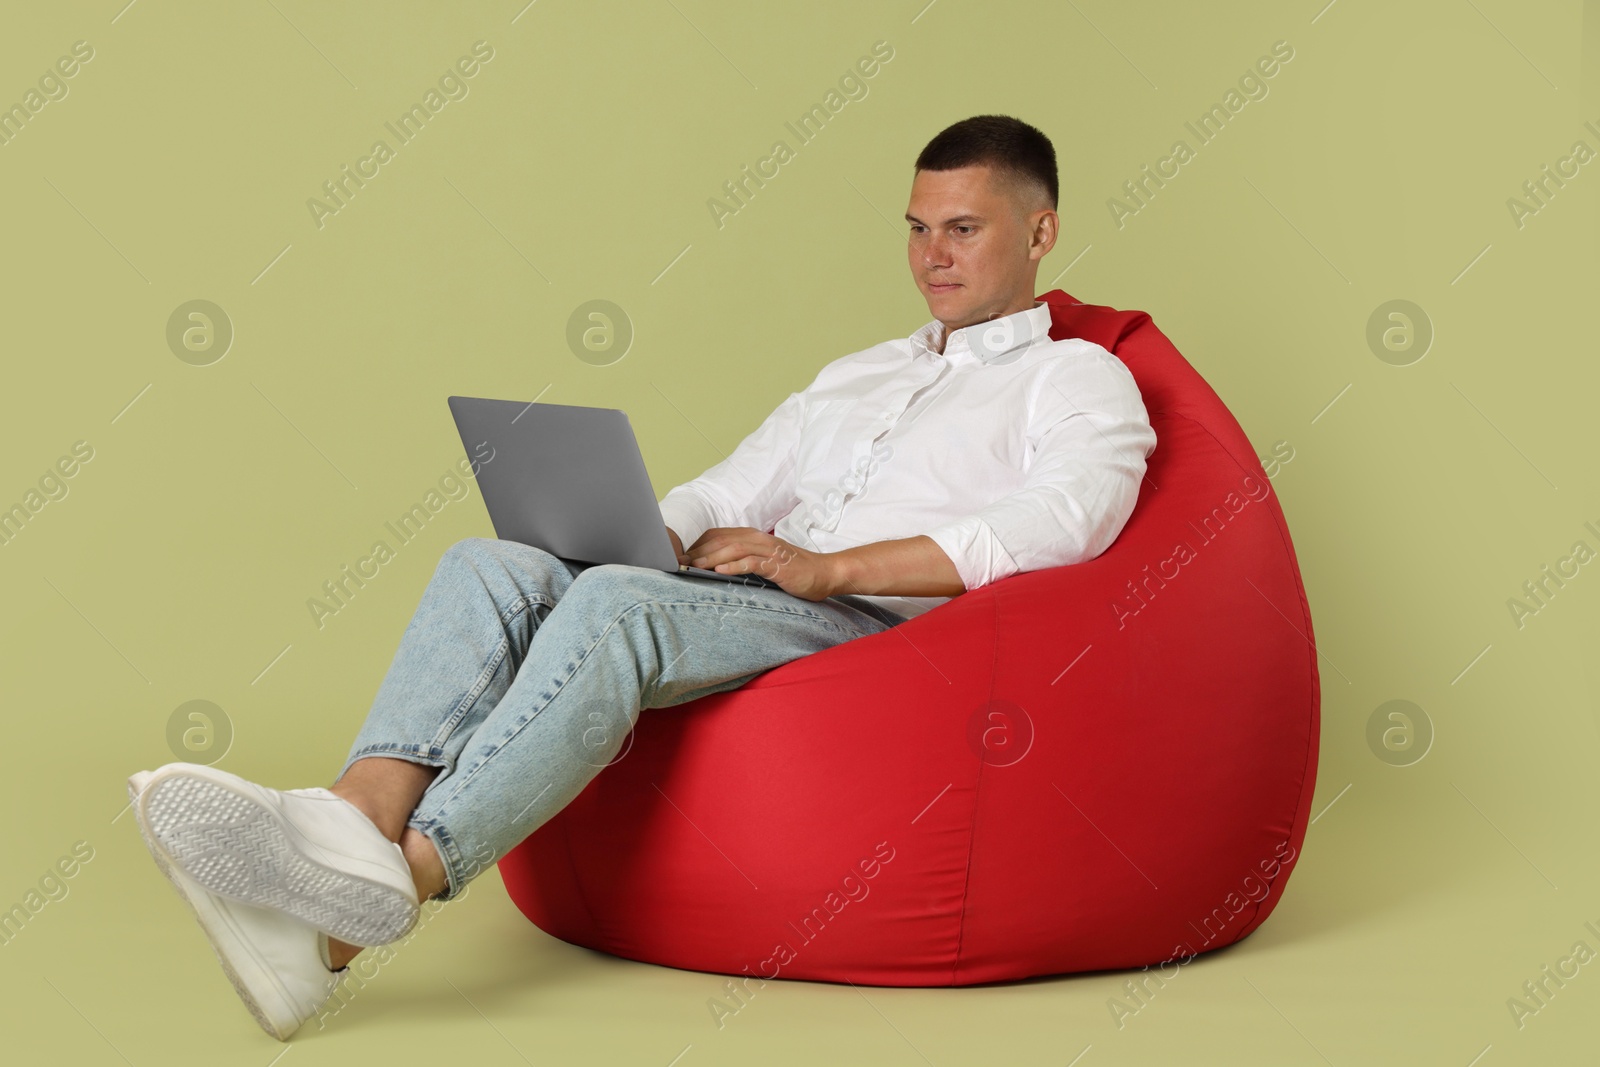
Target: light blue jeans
x=520, y=676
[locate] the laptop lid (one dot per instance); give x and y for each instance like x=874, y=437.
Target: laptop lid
x=567, y=479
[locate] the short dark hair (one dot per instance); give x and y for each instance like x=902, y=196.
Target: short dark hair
x=1019, y=153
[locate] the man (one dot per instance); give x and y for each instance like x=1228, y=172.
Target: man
x=904, y=475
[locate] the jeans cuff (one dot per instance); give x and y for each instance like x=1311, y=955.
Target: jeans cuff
x=456, y=872
x=420, y=754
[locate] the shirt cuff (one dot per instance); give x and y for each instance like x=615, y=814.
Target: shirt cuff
x=976, y=551
x=686, y=514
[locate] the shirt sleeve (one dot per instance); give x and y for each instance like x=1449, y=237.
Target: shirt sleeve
x=755, y=486
x=1091, y=436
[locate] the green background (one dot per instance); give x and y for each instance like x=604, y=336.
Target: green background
x=578, y=168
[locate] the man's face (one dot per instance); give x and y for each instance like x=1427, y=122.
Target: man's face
x=968, y=232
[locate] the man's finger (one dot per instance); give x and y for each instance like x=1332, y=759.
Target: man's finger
x=713, y=539
x=734, y=548
x=733, y=554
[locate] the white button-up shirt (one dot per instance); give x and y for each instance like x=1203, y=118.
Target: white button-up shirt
x=1011, y=451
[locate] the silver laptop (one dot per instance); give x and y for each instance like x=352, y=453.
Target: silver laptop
x=571, y=480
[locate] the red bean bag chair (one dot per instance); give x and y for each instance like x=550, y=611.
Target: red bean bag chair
x=1096, y=766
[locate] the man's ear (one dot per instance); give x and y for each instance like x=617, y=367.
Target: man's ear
x=1045, y=227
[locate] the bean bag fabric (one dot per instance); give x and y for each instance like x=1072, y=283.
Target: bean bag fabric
x=1097, y=766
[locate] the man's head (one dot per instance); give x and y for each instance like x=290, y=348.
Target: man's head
x=982, y=215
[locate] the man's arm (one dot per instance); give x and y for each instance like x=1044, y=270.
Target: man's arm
x=1089, y=457
x=1080, y=489
x=907, y=566
x=1091, y=437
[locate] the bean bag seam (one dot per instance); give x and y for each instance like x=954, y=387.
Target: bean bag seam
x=977, y=797
x=577, y=879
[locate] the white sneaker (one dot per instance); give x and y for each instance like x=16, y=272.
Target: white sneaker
x=278, y=965
x=305, y=852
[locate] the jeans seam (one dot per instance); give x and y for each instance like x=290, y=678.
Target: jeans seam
x=453, y=721
x=521, y=604
x=812, y=615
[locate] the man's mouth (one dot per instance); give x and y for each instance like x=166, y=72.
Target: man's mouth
x=940, y=287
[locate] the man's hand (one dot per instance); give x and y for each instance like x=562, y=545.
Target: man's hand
x=677, y=546
x=745, y=550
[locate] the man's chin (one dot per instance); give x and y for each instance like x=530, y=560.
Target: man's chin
x=944, y=301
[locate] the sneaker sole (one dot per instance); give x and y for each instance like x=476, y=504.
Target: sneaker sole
x=215, y=937
x=237, y=848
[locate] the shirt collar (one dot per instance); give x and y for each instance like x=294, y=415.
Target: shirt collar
x=995, y=342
